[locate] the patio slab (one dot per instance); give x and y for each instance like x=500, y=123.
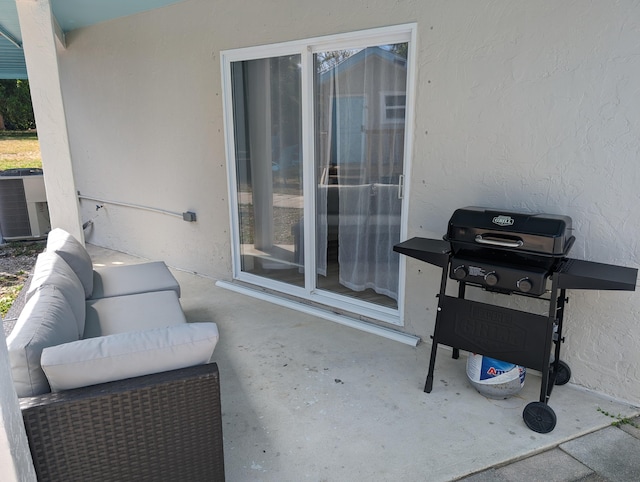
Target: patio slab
x=307, y=399
x=611, y=452
x=551, y=466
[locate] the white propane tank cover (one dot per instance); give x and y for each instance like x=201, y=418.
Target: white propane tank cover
x=494, y=378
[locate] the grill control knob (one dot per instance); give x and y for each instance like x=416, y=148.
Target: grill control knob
x=460, y=272
x=491, y=278
x=524, y=285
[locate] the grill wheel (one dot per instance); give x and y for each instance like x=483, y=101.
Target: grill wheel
x=539, y=417
x=564, y=373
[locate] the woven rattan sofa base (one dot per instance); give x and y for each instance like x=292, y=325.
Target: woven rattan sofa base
x=165, y=427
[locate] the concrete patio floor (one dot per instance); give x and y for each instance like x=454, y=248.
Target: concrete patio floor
x=304, y=398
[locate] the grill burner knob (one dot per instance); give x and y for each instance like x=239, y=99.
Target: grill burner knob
x=460, y=272
x=491, y=278
x=524, y=285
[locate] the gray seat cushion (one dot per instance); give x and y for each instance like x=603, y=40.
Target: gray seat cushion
x=46, y=320
x=143, y=311
x=51, y=269
x=126, y=355
x=70, y=249
x=131, y=279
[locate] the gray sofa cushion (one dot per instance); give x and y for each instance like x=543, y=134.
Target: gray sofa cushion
x=126, y=355
x=131, y=279
x=51, y=269
x=75, y=255
x=46, y=320
x=108, y=316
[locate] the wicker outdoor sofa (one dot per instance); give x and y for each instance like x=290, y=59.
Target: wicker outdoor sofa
x=114, y=384
x=161, y=427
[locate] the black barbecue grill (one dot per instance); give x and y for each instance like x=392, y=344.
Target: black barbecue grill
x=511, y=253
x=507, y=252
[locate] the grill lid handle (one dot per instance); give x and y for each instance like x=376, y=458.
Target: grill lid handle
x=503, y=243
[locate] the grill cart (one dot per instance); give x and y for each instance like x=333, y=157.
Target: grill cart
x=511, y=253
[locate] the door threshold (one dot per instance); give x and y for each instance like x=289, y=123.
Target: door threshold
x=345, y=320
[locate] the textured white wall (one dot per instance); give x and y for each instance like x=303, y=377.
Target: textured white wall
x=520, y=105
x=536, y=106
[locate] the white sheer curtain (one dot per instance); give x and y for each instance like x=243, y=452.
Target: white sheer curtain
x=369, y=227
x=360, y=125
x=324, y=139
x=322, y=230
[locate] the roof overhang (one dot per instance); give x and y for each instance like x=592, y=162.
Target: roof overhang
x=70, y=15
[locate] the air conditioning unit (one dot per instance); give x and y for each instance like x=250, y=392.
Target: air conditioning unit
x=24, y=213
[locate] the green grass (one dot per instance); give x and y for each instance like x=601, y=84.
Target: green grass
x=12, y=282
x=618, y=419
x=19, y=149
x=25, y=248
x=8, y=298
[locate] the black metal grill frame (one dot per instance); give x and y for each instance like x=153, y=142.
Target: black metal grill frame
x=507, y=334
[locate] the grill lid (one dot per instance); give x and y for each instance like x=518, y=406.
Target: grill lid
x=480, y=231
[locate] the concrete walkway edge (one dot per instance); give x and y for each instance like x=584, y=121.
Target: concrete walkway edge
x=609, y=454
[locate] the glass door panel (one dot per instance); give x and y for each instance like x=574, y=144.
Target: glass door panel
x=360, y=104
x=269, y=168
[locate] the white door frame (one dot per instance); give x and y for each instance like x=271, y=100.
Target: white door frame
x=307, y=48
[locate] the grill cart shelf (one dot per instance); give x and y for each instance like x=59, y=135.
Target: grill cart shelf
x=506, y=334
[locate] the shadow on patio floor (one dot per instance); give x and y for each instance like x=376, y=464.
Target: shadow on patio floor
x=305, y=398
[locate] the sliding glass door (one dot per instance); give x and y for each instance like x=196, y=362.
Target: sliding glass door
x=359, y=161
x=269, y=168
x=316, y=147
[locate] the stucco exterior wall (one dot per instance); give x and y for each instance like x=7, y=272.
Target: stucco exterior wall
x=519, y=105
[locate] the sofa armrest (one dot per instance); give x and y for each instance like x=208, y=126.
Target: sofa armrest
x=164, y=426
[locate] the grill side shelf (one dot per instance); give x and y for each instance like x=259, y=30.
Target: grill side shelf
x=432, y=251
x=589, y=275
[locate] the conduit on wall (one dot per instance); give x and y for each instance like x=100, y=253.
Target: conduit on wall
x=189, y=216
